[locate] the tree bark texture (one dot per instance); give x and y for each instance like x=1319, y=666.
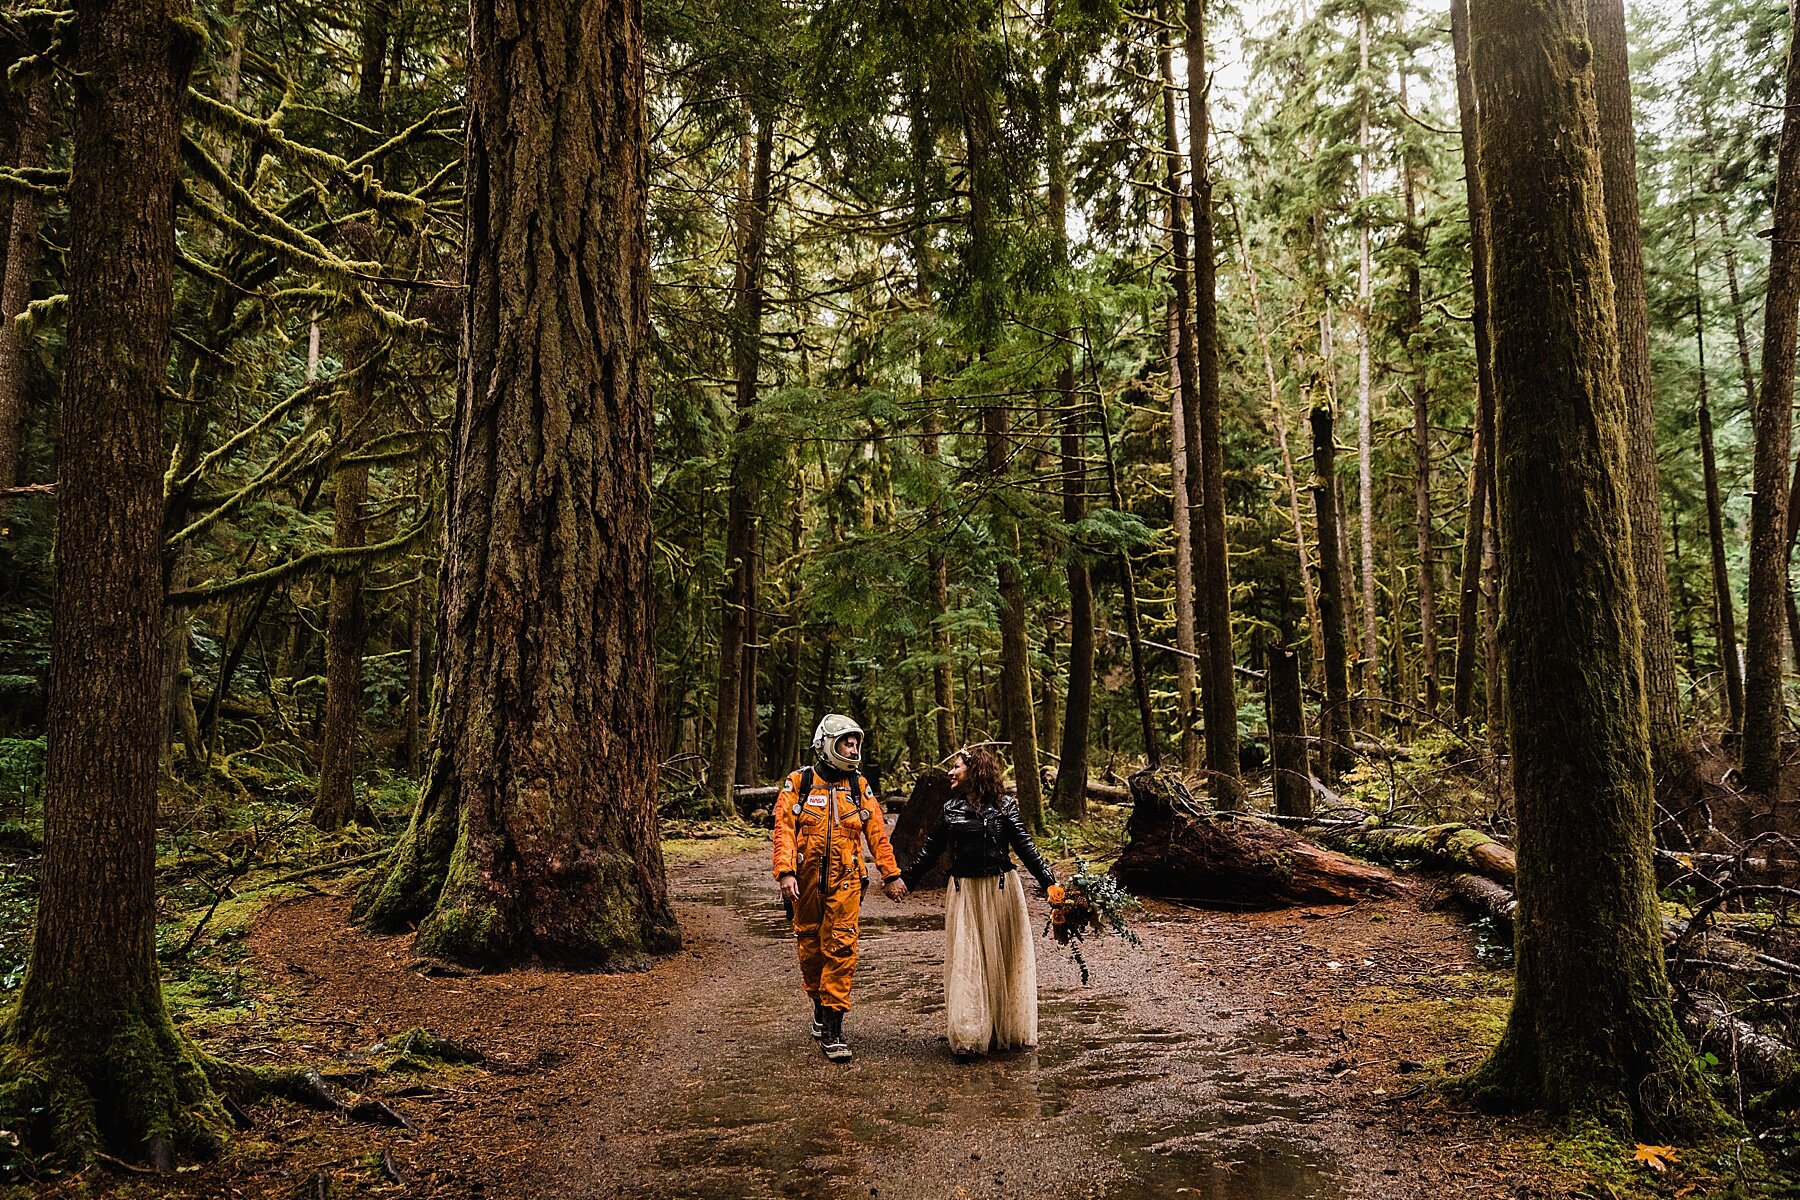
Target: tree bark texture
x=16, y=273
x=346, y=622
x=1592, y=1031
x=1771, y=418
x=1669, y=748
x=1425, y=544
x=1468, y=608
x=1287, y=734
x=90, y=1059
x=536, y=834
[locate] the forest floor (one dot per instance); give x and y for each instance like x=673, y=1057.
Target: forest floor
x=1251, y=1056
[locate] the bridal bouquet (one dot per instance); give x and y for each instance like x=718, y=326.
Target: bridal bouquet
x=1092, y=905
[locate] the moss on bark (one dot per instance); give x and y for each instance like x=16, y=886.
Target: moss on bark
x=126, y=1082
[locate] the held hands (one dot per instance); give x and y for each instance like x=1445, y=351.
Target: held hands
x=895, y=890
x=790, y=889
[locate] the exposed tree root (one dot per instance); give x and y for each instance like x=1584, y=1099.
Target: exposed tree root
x=140, y=1092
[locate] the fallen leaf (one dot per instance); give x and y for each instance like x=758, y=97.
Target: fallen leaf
x=1657, y=1158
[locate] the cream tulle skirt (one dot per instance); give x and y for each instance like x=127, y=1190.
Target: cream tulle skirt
x=990, y=965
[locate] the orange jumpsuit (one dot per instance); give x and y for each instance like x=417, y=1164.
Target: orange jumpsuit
x=819, y=840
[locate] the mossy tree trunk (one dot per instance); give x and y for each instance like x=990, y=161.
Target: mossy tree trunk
x=1772, y=416
x=1592, y=1033
x=30, y=117
x=1669, y=748
x=90, y=1058
x=536, y=835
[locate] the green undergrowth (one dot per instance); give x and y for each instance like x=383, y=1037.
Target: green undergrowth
x=1613, y=1168
x=230, y=841
x=1096, y=840
x=1439, y=776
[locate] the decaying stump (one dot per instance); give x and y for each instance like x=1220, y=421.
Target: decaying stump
x=919, y=817
x=1176, y=848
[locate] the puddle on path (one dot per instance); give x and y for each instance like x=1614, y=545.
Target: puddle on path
x=1134, y=1091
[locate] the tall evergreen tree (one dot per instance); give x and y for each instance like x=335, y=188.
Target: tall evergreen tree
x=90, y=1059
x=536, y=832
x=1592, y=1032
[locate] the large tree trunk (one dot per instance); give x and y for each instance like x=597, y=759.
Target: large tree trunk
x=736, y=622
x=92, y=1060
x=1771, y=416
x=1206, y=452
x=1669, y=748
x=536, y=834
x=16, y=273
x=1468, y=638
x=1185, y=405
x=1592, y=1032
x=1072, y=771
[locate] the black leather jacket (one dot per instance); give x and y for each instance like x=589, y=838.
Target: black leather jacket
x=979, y=841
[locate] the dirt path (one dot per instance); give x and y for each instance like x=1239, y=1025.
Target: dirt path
x=1175, y=1072
x=1255, y=1057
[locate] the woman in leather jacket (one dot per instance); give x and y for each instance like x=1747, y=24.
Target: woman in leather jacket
x=990, y=965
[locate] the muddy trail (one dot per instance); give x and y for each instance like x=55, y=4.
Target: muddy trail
x=1243, y=1056
x=1136, y=1089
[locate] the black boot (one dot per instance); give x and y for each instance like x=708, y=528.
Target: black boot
x=818, y=1021
x=833, y=1043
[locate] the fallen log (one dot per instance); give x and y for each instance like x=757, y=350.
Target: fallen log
x=1177, y=849
x=1486, y=898
x=1452, y=847
x=1761, y=1061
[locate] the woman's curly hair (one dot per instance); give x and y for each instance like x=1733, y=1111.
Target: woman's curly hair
x=984, y=785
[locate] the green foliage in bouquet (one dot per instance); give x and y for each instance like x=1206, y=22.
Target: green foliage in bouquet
x=1091, y=904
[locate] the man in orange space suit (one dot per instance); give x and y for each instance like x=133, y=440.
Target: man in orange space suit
x=824, y=815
